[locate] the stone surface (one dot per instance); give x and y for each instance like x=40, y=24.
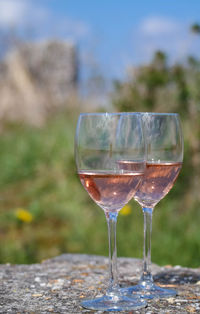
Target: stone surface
x=58, y=285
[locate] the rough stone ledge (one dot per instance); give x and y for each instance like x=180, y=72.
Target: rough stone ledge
x=59, y=284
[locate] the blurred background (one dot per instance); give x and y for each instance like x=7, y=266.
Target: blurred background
x=60, y=58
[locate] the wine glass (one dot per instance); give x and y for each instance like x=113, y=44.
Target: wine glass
x=101, y=140
x=164, y=149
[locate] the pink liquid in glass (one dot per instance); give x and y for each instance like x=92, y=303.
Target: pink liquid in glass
x=158, y=180
x=111, y=191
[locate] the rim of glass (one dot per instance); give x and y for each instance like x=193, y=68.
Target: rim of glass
x=107, y=113
x=128, y=113
x=160, y=113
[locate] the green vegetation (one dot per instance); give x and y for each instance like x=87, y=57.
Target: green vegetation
x=159, y=87
x=44, y=210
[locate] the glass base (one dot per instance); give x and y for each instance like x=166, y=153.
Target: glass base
x=150, y=291
x=114, y=303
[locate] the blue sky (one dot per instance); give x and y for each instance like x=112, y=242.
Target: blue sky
x=111, y=35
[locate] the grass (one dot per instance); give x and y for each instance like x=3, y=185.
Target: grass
x=46, y=212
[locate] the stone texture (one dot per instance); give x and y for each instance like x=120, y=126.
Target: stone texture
x=58, y=285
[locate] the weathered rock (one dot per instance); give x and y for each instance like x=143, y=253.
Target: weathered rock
x=58, y=285
x=36, y=79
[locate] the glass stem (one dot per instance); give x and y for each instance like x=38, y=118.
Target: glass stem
x=147, y=278
x=113, y=280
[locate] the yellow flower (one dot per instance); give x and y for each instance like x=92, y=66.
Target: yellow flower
x=24, y=215
x=125, y=211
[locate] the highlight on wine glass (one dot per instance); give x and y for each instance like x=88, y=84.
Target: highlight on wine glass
x=102, y=139
x=164, y=144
